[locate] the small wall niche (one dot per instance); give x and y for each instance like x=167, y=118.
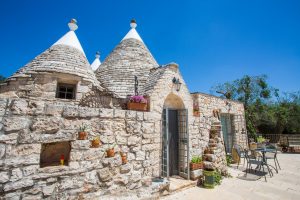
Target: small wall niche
x=51, y=153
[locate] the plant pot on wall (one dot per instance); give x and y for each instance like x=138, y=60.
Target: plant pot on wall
x=82, y=135
x=137, y=106
x=123, y=157
x=196, y=113
x=110, y=153
x=195, y=166
x=96, y=142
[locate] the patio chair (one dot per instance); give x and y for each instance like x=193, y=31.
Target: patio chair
x=240, y=152
x=254, y=161
x=273, y=156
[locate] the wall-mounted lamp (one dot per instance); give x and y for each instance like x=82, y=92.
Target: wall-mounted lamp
x=176, y=83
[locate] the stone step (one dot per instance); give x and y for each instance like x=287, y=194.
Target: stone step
x=210, y=157
x=179, y=184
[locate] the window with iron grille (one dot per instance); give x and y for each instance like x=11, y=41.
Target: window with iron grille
x=65, y=91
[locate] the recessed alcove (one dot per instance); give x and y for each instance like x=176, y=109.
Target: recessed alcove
x=51, y=153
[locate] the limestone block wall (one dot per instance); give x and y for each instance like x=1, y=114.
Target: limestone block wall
x=26, y=124
x=208, y=103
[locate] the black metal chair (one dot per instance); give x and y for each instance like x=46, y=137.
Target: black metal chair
x=254, y=161
x=273, y=156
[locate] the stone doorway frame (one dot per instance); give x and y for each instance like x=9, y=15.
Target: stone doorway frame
x=177, y=104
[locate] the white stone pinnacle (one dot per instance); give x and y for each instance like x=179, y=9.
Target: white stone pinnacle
x=70, y=38
x=73, y=25
x=133, y=34
x=95, y=65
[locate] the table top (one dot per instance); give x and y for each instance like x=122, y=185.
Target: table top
x=265, y=149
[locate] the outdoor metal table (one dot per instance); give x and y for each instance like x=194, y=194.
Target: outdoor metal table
x=264, y=159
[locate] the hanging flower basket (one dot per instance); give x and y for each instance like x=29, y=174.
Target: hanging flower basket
x=137, y=106
x=138, y=103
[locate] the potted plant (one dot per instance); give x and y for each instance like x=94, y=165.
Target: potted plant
x=123, y=157
x=82, y=134
x=209, y=178
x=196, y=111
x=261, y=142
x=110, y=152
x=196, y=163
x=96, y=142
x=137, y=102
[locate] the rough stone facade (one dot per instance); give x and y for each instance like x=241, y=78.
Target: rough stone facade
x=208, y=103
x=23, y=129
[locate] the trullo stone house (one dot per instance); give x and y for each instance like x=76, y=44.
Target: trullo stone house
x=44, y=103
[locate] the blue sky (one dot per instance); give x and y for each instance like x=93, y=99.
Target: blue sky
x=212, y=41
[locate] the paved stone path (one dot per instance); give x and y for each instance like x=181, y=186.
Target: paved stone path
x=284, y=186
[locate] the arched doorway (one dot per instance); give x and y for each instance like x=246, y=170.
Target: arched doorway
x=175, y=138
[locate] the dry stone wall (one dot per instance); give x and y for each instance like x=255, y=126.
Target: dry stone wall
x=27, y=124
x=209, y=103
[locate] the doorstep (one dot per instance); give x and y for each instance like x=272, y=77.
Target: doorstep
x=178, y=183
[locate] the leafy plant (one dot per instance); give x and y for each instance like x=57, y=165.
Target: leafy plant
x=83, y=127
x=111, y=146
x=218, y=177
x=196, y=159
x=261, y=139
x=228, y=160
x=2, y=78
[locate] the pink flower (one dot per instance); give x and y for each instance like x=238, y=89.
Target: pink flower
x=138, y=99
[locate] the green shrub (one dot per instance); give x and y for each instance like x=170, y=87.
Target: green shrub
x=218, y=177
x=228, y=160
x=196, y=159
x=260, y=139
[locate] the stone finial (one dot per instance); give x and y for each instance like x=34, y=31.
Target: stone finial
x=133, y=23
x=97, y=54
x=73, y=25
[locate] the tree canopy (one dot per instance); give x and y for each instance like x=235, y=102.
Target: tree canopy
x=2, y=78
x=266, y=111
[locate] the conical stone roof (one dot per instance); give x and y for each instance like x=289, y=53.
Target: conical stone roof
x=130, y=58
x=96, y=63
x=65, y=56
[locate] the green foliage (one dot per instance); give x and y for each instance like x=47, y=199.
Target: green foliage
x=2, y=79
x=83, y=127
x=196, y=159
x=218, y=177
x=260, y=139
x=228, y=160
x=265, y=110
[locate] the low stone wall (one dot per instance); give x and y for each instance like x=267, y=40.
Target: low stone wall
x=27, y=124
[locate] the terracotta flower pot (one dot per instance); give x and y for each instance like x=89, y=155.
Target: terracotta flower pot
x=110, y=153
x=195, y=166
x=124, y=159
x=137, y=106
x=96, y=143
x=82, y=135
